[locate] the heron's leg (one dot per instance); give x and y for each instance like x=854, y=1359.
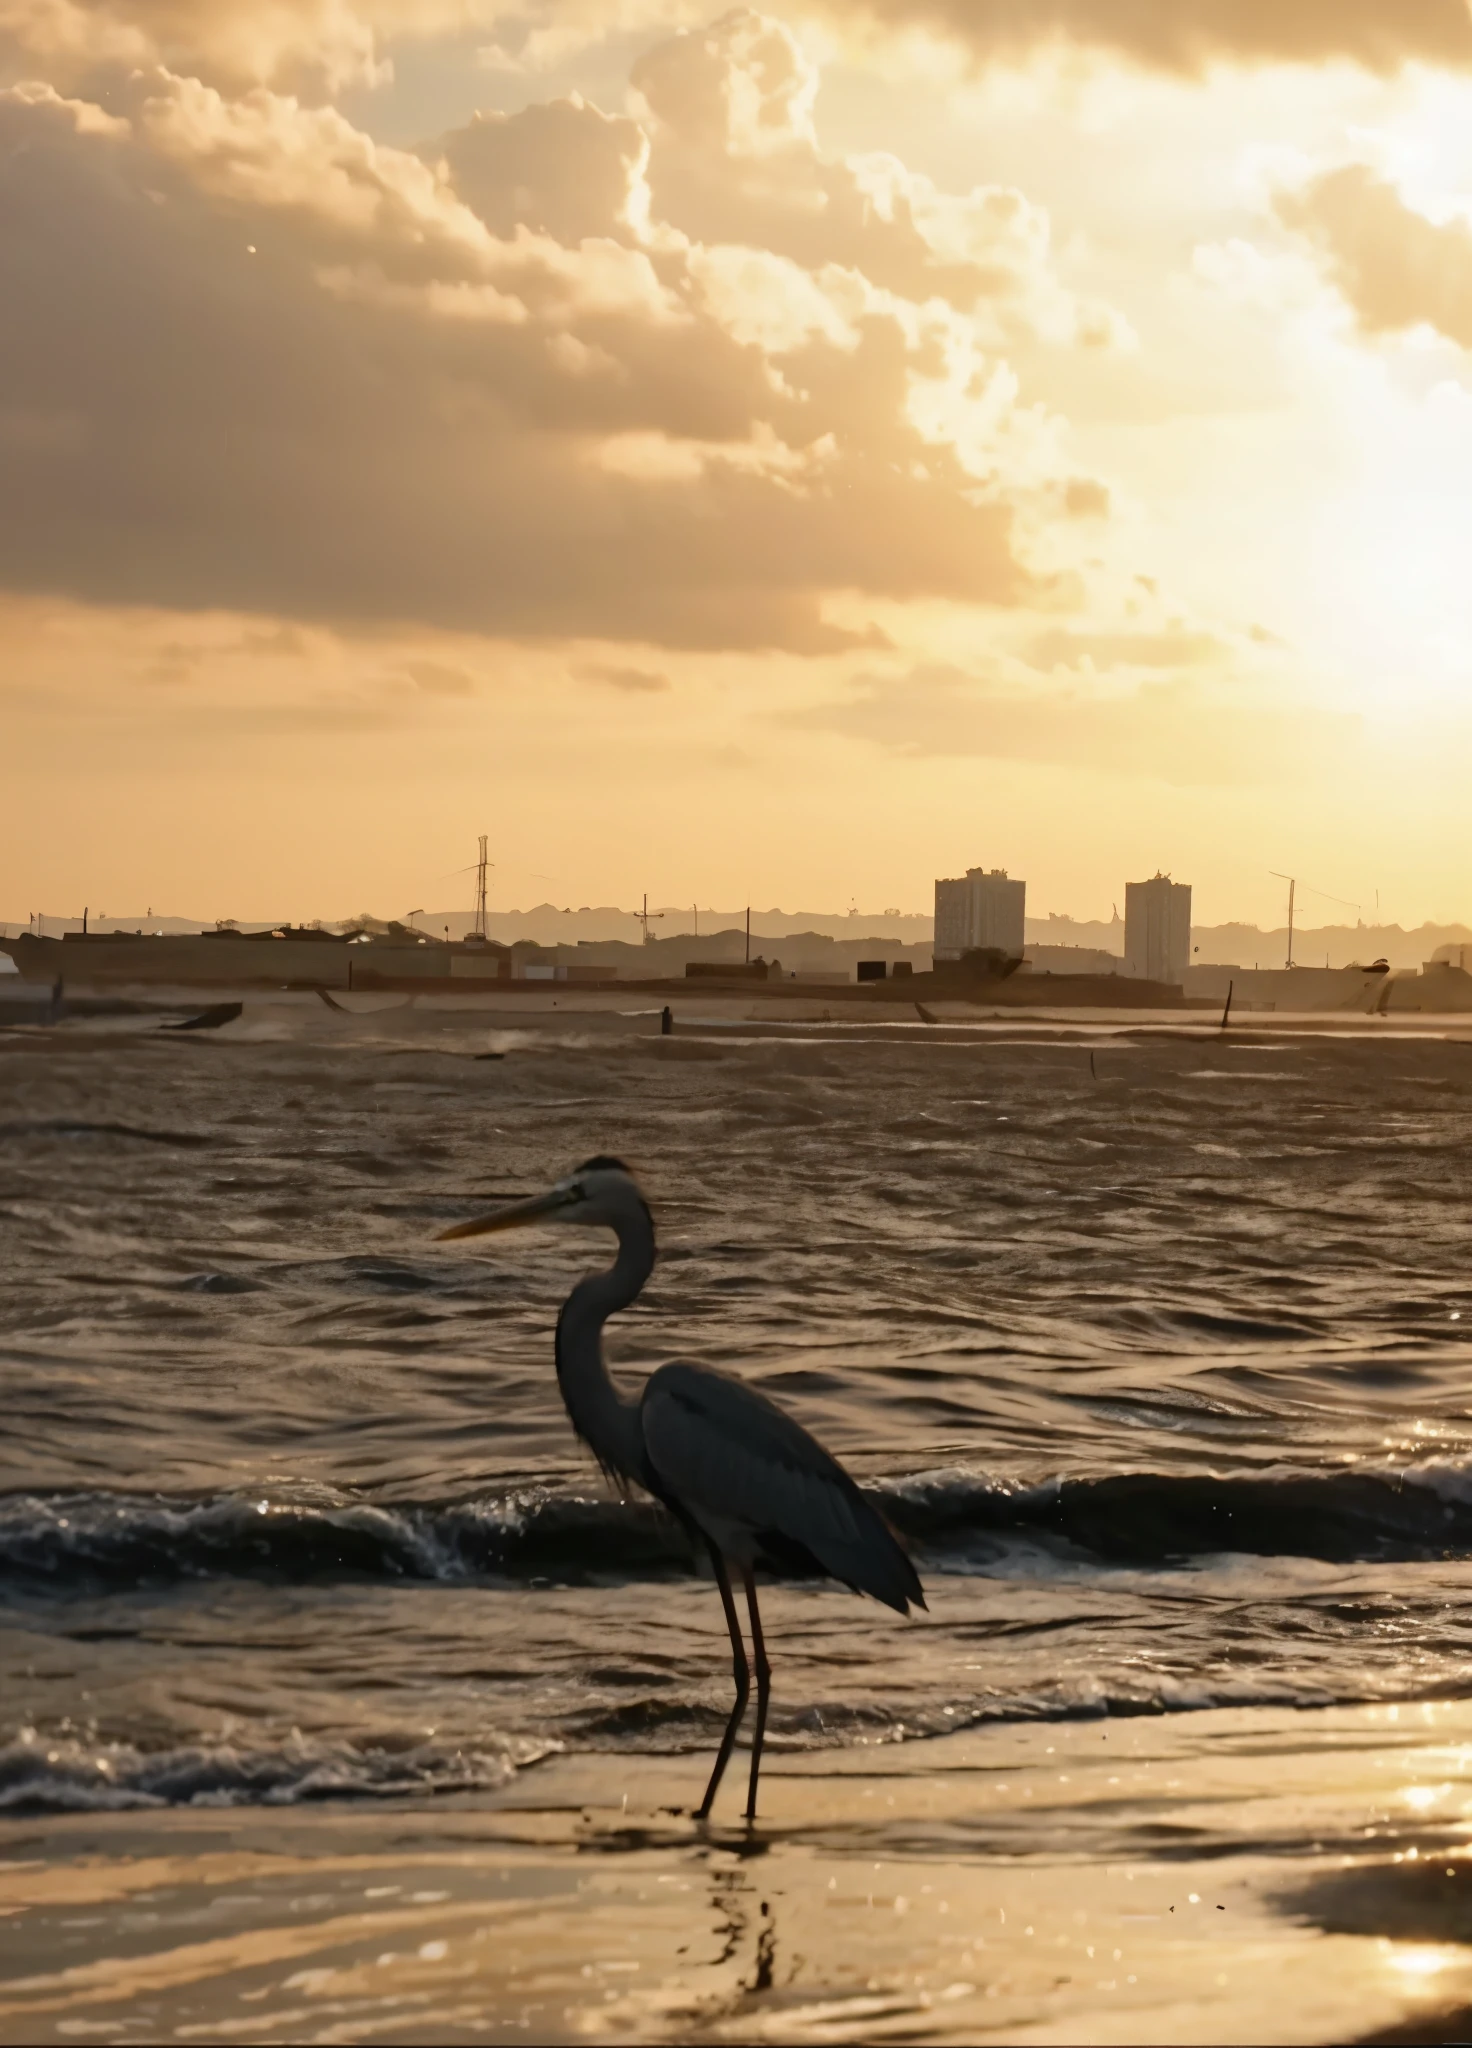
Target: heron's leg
x=743, y=1685
x=763, y=1688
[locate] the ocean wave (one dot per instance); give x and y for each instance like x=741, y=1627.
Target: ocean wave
x=102, y=1540
x=74, y=1771
x=63, y=1127
x=1368, y=1515
x=69, y=1774
x=954, y=1521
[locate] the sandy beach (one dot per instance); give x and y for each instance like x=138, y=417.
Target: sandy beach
x=1227, y=1876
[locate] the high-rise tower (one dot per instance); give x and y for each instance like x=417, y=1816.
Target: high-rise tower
x=1157, y=929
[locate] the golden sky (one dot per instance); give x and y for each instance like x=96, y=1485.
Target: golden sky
x=775, y=457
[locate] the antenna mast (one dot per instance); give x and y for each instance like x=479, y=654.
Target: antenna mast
x=480, y=890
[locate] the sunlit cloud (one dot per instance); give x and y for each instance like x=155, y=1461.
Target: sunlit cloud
x=923, y=403
x=1175, y=731
x=1186, y=36
x=502, y=384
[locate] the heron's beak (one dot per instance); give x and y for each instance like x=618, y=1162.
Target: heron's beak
x=512, y=1218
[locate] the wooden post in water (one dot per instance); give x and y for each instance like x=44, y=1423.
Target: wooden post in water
x=1226, y=1013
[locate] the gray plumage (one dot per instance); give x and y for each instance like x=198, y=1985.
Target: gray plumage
x=738, y=1471
x=750, y=1469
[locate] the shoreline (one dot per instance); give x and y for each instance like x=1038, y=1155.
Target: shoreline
x=716, y=1014
x=1239, y=1874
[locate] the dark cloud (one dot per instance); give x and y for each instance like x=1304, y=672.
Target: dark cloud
x=562, y=169
x=1396, y=268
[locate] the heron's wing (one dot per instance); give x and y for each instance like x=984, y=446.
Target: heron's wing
x=729, y=1455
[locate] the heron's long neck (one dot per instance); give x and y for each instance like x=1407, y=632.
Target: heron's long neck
x=603, y=1418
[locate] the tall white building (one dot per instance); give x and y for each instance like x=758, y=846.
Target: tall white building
x=1157, y=929
x=980, y=908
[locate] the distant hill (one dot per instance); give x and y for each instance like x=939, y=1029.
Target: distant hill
x=550, y=924
x=1245, y=945
x=818, y=938
x=1333, y=945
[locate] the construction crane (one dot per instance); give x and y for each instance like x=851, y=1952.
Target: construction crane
x=647, y=917
x=1292, y=882
x=480, y=889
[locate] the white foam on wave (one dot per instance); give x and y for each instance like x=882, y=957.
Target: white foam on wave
x=70, y=1773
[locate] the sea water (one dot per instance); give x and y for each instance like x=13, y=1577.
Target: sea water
x=1155, y=1350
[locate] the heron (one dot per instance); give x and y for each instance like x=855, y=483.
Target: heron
x=746, y=1481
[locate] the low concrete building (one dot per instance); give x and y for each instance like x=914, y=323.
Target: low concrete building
x=1071, y=960
x=286, y=958
x=733, y=970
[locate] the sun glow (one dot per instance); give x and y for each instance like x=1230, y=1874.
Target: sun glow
x=1068, y=430
x=1421, y=1963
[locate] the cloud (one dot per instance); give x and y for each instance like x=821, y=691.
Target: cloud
x=256, y=361
x=320, y=46
x=1175, y=647
x=1396, y=268
x=1170, y=731
x=744, y=86
x=1084, y=497
x=283, y=642
x=1186, y=36
x=232, y=42
x=637, y=680
x=563, y=169
x=335, y=718
x=440, y=679
x=172, y=665
x=737, y=166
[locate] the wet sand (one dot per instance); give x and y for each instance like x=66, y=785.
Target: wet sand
x=1236, y=1875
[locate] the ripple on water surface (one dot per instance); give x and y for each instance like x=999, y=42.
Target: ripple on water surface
x=1161, y=1368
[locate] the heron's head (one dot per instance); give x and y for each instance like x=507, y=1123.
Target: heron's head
x=600, y=1195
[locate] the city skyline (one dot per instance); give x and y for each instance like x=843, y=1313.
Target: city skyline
x=685, y=920
x=734, y=453
x=1316, y=912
